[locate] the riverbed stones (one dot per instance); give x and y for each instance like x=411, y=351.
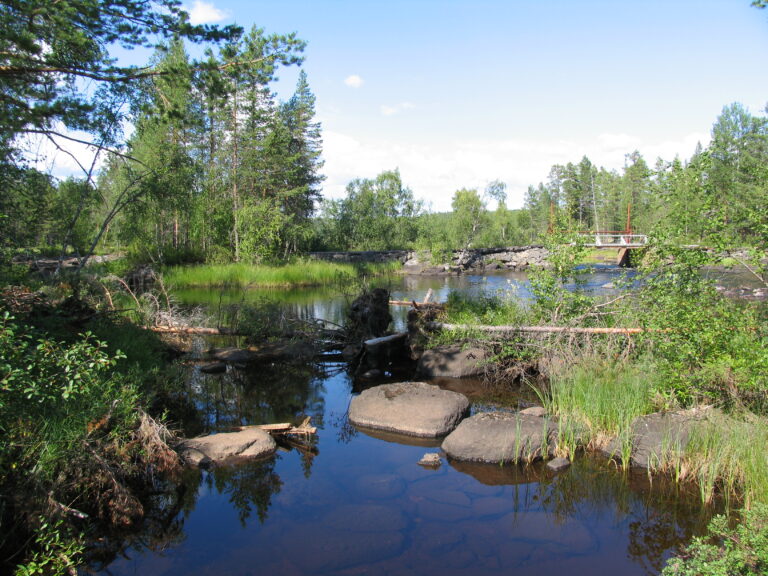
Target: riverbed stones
x=411, y=408
x=500, y=437
x=218, y=448
x=452, y=362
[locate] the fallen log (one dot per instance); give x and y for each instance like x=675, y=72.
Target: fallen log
x=197, y=330
x=533, y=329
x=286, y=428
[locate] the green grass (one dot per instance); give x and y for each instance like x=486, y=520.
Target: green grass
x=725, y=456
x=303, y=273
x=597, y=400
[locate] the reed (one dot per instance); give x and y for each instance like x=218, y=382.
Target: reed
x=597, y=400
x=725, y=456
x=299, y=273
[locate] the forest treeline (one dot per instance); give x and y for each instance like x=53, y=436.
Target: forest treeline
x=715, y=197
x=232, y=175
x=196, y=160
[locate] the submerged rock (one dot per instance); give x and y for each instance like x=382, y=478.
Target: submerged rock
x=500, y=437
x=217, y=448
x=269, y=352
x=214, y=368
x=413, y=408
x=452, y=362
x=558, y=464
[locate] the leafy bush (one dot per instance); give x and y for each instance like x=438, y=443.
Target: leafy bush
x=707, y=347
x=727, y=551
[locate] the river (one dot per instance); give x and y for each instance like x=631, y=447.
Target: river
x=351, y=503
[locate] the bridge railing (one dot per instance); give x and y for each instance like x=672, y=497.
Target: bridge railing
x=617, y=239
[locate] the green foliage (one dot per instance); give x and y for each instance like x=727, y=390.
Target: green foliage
x=54, y=553
x=707, y=347
x=262, y=224
x=721, y=457
x=57, y=71
x=727, y=550
x=488, y=310
x=469, y=215
x=50, y=391
x=377, y=214
x=554, y=301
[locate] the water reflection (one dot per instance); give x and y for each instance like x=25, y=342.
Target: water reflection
x=247, y=485
x=357, y=502
x=270, y=393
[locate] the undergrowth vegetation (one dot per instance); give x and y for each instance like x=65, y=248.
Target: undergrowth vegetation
x=76, y=443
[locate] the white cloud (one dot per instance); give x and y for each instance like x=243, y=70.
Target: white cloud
x=436, y=170
x=354, y=81
x=205, y=13
x=387, y=110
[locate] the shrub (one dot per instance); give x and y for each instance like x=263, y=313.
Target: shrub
x=726, y=550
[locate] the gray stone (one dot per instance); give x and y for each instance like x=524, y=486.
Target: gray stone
x=216, y=448
x=656, y=436
x=500, y=437
x=413, y=408
x=452, y=362
x=558, y=464
x=538, y=411
x=430, y=459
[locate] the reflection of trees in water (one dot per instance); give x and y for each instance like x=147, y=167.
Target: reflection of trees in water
x=249, y=485
x=658, y=516
x=161, y=527
x=261, y=394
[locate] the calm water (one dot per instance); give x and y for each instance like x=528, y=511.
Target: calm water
x=352, y=503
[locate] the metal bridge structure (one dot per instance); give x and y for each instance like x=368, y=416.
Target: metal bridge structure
x=614, y=240
x=622, y=242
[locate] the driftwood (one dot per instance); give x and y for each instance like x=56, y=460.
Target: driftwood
x=534, y=329
x=287, y=429
x=424, y=304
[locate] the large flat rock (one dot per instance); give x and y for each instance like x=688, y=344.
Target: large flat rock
x=452, y=362
x=217, y=448
x=412, y=408
x=501, y=437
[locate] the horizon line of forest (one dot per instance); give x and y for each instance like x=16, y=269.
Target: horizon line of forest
x=216, y=170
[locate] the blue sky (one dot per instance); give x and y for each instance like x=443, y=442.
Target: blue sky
x=456, y=93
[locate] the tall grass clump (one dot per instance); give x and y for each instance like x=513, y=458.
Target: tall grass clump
x=598, y=400
x=725, y=456
x=304, y=273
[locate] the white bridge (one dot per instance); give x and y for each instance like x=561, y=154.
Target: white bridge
x=614, y=240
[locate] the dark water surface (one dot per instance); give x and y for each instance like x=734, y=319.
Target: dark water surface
x=355, y=503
